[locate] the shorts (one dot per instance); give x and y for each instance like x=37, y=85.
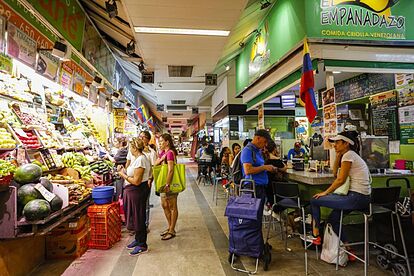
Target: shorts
x=168, y=195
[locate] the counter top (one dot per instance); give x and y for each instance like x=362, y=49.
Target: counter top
x=314, y=178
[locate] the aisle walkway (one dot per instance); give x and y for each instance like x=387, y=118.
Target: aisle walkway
x=200, y=247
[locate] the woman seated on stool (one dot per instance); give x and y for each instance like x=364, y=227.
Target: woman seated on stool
x=347, y=147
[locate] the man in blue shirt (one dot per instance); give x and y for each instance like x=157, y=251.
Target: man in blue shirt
x=296, y=152
x=253, y=162
x=254, y=167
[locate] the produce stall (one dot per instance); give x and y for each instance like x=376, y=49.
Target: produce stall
x=50, y=147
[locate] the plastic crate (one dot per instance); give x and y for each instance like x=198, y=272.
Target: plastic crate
x=105, y=223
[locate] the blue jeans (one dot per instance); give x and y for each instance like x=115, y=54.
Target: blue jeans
x=352, y=201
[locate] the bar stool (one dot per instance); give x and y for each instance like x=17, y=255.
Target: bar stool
x=203, y=173
x=383, y=201
x=287, y=196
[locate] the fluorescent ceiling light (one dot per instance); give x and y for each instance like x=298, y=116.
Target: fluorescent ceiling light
x=180, y=31
x=179, y=90
x=337, y=72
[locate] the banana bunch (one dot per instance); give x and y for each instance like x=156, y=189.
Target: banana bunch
x=70, y=159
x=84, y=171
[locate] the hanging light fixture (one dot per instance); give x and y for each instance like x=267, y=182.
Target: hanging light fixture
x=130, y=48
x=265, y=4
x=111, y=8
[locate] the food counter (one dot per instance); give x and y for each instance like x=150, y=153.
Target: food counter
x=314, y=178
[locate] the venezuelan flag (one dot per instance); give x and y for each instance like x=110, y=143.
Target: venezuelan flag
x=144, y=113
x=307, y=84
x=140, y=113
x=150, y=123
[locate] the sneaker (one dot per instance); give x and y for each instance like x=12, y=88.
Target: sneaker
x=132, y=245
x=138, y=251
x=315, y=240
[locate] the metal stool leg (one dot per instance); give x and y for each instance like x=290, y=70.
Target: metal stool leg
x=305, y=240
x=339, y=240
x=366, y=245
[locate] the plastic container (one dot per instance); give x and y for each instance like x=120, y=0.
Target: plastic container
x=103, y=195
x=400, y=164
x=105, y=223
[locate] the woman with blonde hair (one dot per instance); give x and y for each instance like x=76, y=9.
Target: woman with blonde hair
x=167, y=156
x=136, y=192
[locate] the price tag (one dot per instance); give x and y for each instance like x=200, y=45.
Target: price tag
x=20, y=132
x=45, y=193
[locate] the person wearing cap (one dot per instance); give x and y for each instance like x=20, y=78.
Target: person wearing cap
x=351, y=165
x=296, y=152
x=254, y=165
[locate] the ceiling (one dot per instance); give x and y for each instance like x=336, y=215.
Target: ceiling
x=207, y=54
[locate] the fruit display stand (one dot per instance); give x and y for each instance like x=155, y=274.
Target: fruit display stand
x=12, y=227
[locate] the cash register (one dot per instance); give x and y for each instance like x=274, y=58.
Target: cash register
x=298, y=164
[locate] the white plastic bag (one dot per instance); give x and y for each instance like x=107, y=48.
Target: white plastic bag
x=330, y=248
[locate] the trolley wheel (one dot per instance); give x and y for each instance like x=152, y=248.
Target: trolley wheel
x=392, y=248
x=399, y=270
x=383, y=262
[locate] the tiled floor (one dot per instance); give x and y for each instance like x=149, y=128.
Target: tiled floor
x=200, y=247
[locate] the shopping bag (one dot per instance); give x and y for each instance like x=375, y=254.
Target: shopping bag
x=178, y=183
x=330, y=248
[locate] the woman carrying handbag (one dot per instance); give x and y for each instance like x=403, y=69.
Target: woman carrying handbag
x=168, y=155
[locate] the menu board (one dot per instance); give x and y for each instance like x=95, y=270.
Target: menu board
x=406, y=119
x=384, y=114
x=363, y=85
x=330, y=120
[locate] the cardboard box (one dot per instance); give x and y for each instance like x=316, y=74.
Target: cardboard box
x=64, y=248
x=74, y=226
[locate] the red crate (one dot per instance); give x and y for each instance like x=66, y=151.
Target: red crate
x=105, y=225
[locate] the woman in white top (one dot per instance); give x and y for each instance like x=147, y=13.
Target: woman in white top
x=347, y=147
x=136, y=194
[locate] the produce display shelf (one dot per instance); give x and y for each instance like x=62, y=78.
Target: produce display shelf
x=10, y=98
x=52, y=170
x=10, y=149
x=23, y=221
x=41, y=227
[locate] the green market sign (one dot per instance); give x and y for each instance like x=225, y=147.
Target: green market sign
x=67, y=16
x=382, y=20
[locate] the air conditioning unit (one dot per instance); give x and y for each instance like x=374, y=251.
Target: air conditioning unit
x=177, y=107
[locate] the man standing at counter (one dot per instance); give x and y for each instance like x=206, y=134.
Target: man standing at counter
x=253, y=163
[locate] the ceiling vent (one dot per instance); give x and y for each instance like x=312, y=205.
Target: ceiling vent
x=178, y=101
x=177, y=107
x=176, y=122
x=177, y=114
x=176, y=126
x=180, y=71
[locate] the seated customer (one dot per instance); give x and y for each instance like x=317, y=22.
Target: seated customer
x=274, y=176
x=296, y=152
x=347, y=147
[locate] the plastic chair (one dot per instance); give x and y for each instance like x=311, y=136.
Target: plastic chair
x=287, y=196
x=383, y=200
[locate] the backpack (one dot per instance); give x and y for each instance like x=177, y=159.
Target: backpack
x=236, y=168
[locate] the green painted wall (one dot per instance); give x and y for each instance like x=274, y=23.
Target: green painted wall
x=282, y=29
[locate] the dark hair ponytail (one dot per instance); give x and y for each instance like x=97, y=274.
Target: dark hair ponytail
x=354, y=136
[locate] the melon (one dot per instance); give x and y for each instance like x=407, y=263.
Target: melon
x=28, y=173
x=27, y=193
x=36, y=209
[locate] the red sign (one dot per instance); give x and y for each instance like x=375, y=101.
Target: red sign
x=14, y=18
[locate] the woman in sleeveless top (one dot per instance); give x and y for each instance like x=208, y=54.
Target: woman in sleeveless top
x=167, y=156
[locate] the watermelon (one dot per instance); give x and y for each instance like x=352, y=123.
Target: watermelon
x=28, y=173
x=56, y=203
x=47, y=184
x=27, y=193
x=36, y=209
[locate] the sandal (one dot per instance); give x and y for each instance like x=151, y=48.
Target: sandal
x=168, y=236
x=165, y=232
